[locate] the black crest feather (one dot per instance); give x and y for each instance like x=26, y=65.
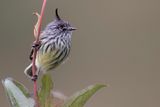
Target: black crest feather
x=56, y=13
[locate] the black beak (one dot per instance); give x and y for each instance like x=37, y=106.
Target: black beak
x=72, y=28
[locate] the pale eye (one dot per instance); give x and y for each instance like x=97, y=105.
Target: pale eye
x=61, y=26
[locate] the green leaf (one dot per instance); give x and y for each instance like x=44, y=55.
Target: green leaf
x=45, y=95
x=81, y=97
x=22, y=88
x=17, y=93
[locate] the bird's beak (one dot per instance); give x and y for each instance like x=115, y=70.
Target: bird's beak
x=72, y=28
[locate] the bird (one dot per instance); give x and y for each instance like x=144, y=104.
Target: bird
x=54, y=48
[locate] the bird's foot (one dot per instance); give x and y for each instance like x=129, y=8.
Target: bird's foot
x=36, y=45
x=34, y=77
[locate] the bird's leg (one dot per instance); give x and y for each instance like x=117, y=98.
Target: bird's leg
x=34, y=46
x=31, y=54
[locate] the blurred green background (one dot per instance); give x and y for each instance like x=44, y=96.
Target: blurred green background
x=117, y=43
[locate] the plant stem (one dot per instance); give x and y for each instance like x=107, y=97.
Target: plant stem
x=35, y=52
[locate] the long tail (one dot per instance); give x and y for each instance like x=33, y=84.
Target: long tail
x=28, y=71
